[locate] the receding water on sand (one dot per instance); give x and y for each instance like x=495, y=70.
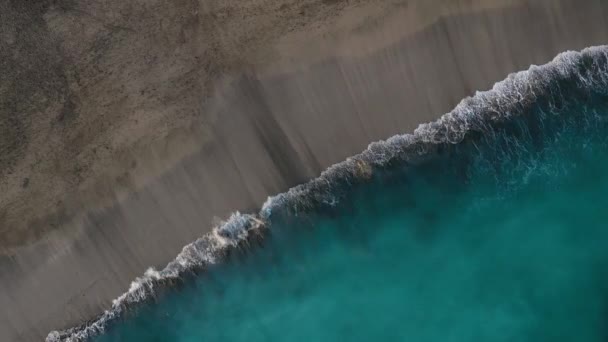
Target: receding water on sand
x=461, y=260
x=488, y=225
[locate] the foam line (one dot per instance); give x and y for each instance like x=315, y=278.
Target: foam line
x=586, y=71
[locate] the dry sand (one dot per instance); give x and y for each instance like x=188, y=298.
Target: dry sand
x=98, y=97
x=126, y=127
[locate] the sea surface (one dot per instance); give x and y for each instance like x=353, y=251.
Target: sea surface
x=490, y=224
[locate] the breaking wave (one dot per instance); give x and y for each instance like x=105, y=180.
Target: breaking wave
x=548, y=89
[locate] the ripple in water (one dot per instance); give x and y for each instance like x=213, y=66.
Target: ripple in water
x=495, y=232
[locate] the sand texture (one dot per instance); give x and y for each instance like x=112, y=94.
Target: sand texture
x=128, y=127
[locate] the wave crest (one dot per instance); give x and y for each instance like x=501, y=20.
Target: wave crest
x=570, y=74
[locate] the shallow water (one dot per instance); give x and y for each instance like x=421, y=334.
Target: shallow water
x=499, y=238
x=488, y=224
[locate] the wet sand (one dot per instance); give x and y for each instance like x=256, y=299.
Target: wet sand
x=316, y=99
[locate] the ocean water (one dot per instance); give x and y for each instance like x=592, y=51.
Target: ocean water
x=487, y=225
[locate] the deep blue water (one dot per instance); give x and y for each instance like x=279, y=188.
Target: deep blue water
x=498, y=236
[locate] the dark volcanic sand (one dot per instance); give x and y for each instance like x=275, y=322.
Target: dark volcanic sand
x=96, y=102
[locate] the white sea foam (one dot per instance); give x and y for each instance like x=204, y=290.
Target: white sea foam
x=204, y=251
x=588, y=69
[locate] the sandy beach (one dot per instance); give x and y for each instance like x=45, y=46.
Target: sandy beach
x=128, y=131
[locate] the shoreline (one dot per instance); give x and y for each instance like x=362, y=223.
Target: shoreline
x=504, y=100
x=127, y=100
x=286, y=138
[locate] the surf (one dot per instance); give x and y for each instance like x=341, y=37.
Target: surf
x=495, y=142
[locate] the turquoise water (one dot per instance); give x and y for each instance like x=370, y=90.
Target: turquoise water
x=495, y=250
x=499, y=237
